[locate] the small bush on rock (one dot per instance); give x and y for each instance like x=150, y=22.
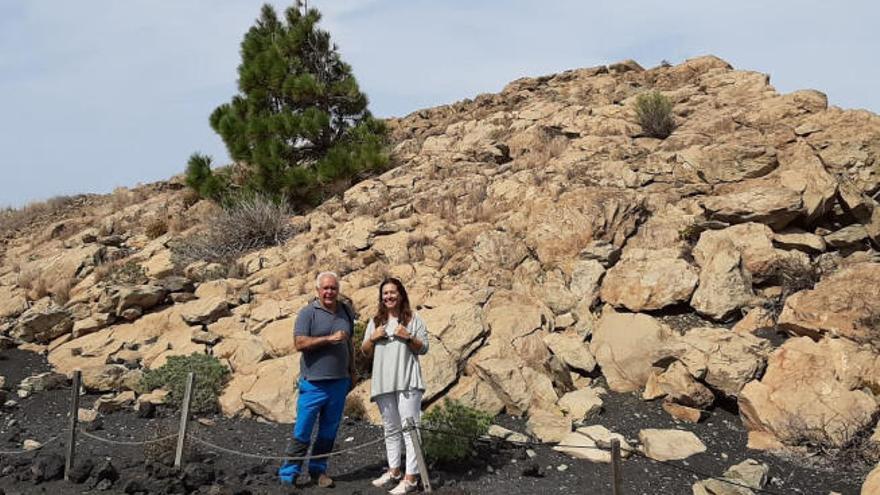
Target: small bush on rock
x=244, y=224
x=210, y=377
x=654, y=112
x=465, y=425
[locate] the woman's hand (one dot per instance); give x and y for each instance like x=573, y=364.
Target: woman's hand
x=401, y=333
x=378, y=334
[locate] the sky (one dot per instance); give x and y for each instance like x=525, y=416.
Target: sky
x=99, y=94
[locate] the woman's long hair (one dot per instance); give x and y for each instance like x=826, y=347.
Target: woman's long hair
x=404, y=311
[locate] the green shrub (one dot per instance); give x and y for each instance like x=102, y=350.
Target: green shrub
x=465, y=425
x=210, y=377
x=654, y=112
x=363, y=364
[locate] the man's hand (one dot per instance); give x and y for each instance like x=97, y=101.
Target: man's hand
x=337, y=337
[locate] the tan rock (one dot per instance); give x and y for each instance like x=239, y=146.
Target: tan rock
x=91, y=324
x=801, y=170
x=505, y=434
x=86, y=415
x=42, y=327
x=677, y=385
x=811, y=391
x=682, y=413
x=511, y=318
x=204, y=311
x=841, y=305
x=356, y=235
x=12, y=302
x=103, y=378
x=230, y=400
x=723, y=359
x=581, y=404
x=648, y=280
x=802, y=241
x=592, y=443
x=725, y=286
x=159, y=265
x=517, y=386
x=107, y=404
x=753, y=241
x=755, y=319
x=760, y=202
x=610, y=215
x=749, y=473
x=572, y=350
x=277, y=338
x=548, y=426
x=243, y=352
x=273, y=395
x=456, y=321
x=227, y=289
x=625, y=346
x=670, y=445
x=871, y=486
x=474, y=392
x=438, y=370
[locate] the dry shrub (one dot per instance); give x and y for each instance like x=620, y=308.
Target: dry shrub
x=249, y=223
x=354, y=408
x=13, y=219
x=125, y=272
x=415, y=246
x=654, y=113
x=156, y=228
x=792, y=275
x=61, y=291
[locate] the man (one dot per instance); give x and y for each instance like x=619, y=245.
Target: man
x=323, y=335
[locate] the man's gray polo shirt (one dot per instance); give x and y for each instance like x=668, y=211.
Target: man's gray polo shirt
x=329, y=361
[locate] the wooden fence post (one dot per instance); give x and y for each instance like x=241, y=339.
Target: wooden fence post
x=420, y=456
x=615, y=467
x=184, y=419
x=71, y=431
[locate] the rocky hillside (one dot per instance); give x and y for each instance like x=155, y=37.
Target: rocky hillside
x=548, y=244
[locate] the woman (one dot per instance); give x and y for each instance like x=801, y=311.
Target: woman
x=396, y=337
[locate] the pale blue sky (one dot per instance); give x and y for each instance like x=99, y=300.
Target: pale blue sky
x=97, y=94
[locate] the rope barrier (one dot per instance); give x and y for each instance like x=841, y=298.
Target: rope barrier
x=597, y=447
x=130, y=443
x=26, y=451
x=292, y=458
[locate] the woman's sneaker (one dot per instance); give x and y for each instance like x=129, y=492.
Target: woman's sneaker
x=404, y=487
x=386, y=478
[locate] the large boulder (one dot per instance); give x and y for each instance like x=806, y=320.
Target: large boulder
x=647, y=279
x=273, y=393
x=753, y=241
x=43, y=325
x=812, y=392
x=139, y=296
x=846, y=304
x=723, y=359
x=625, y=346
x=761, y=202
x=725, y=285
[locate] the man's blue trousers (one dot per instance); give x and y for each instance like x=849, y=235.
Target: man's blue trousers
x=322, y=401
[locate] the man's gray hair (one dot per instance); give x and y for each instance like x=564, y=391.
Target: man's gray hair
x=326, y=274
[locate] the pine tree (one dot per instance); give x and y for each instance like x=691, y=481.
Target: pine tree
x=300, y=123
